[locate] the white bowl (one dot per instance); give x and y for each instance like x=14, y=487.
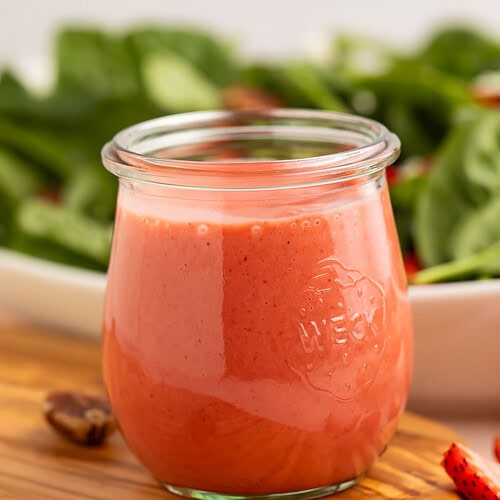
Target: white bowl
x=63, y=297
x=457, y=328
x=457, y=347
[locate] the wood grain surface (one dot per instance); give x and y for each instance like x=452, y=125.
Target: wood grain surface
x=35, y=463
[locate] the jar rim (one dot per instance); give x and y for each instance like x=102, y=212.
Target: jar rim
x=129, y=154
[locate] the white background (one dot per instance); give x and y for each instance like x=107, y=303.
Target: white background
x=276, y=27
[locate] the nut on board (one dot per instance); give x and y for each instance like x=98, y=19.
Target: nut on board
x=81, y=418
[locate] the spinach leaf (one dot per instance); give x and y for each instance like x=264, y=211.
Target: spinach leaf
x=91, y=192
x=58, y=110
x=91, y=62
x=461, y=51
x=61, y=234
x=18, y=178
x=350, y=56
x=419, y=104
x=12, y=92
x=175, y=85
x=298, y=84
x=309, y=82
x=457, y=207
x=404, y=196
x=483, y=263
x=478, y=229
x=211, y=56
x=40, y=146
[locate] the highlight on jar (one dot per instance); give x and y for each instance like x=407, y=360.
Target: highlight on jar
x=257, y=329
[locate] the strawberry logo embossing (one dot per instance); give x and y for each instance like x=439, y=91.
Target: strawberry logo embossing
x=340, y=330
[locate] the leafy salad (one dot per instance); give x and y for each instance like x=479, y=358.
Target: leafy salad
x=443, y=100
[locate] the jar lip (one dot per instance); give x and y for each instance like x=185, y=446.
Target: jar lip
x=124, y=157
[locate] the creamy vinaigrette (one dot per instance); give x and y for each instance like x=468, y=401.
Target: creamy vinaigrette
x=252, y=353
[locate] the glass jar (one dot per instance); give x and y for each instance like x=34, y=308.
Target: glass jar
x=257, y=330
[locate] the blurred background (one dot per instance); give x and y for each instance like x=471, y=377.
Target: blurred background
x=263, y=27
x=422, y=81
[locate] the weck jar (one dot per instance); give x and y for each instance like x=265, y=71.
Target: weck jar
x=257, y=330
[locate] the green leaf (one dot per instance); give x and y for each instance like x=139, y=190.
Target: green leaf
x=95, y=63
x=479, y=229
x=481, y=168
x=49, y=225
x=40, y=146
x=92, y=192
x=457, y=207
x=12, y=92
x=358, y=55
x=7, y=210
x=406, y=121
x=443, y=201
x=418, y=103
x=404, y=196
x=314, y=89
x=18, y=178
x=177, y=86
x=461, y=51
x=211, y=56
x=48, y=250
x=296, y=84
x=482, y=263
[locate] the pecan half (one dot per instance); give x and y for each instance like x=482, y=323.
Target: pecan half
x=81, y=418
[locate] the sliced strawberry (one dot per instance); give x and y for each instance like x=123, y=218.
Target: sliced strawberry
x=496, y=447
x=470, y=473
x=487, y=100
x=391, y=173
x=486, y=89
x=246, y=97
x=412, y=265
x=51, y=194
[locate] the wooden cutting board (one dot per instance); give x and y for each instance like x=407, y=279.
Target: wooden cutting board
x=35, y=463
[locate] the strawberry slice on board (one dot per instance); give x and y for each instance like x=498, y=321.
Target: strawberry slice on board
x=472, y=476
x=496, y=448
